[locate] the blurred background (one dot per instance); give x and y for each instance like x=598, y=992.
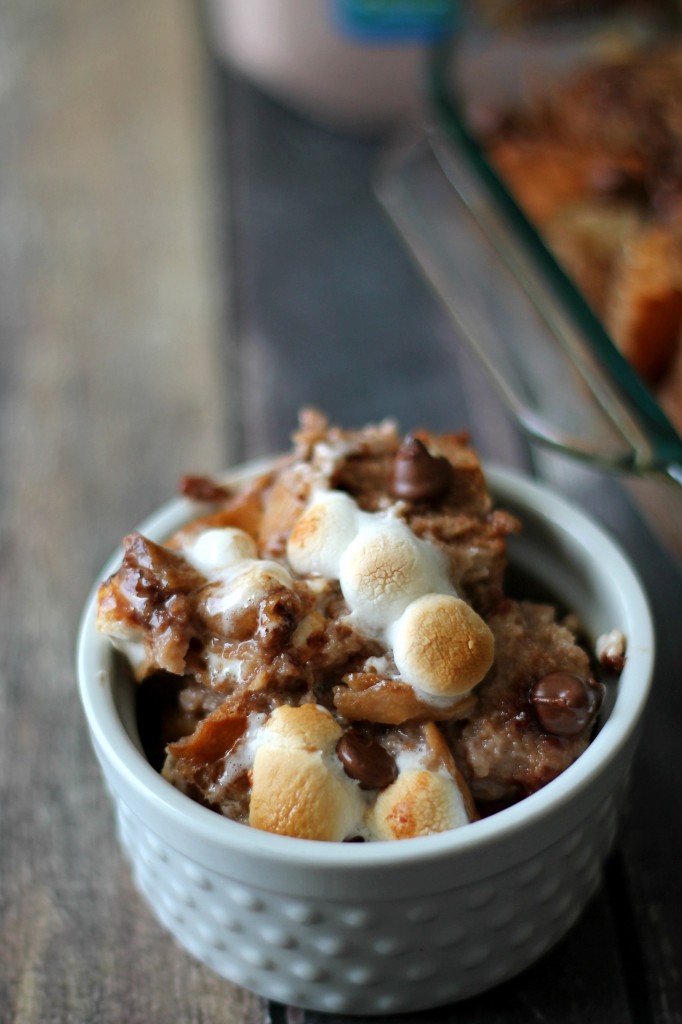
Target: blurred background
x=192, y=249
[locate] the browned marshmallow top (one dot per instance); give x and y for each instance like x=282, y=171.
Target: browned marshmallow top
x=301, y=786
x=297, y=645
x=397, y=587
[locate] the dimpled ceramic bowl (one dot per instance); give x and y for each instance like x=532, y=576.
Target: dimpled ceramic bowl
x=386, y=927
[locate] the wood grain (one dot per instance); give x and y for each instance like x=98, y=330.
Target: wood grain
x=112, y=386
x=183, y=264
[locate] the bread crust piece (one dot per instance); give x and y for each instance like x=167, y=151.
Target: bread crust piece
x=596, y=163
x=369, y=697
x=644, y=308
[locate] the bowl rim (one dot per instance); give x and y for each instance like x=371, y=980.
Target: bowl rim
x=94, y=655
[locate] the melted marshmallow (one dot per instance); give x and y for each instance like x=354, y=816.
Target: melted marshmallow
x=398, y=589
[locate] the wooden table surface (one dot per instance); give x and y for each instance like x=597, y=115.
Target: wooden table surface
x=183, y=264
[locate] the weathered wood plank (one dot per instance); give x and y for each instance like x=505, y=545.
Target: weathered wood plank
x=110, y=351
x=110, y=343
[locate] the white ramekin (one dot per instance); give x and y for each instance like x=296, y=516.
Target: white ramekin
x=386, y=927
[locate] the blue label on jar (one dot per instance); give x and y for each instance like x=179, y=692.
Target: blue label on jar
x=395, y=20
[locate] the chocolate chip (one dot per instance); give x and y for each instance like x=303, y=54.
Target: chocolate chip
x=365, y=760
x=417, y=475
x=564, y=703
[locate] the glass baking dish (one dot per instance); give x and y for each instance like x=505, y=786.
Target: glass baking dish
x=550, y=355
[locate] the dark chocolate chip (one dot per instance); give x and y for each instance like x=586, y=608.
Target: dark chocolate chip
x=365, y=760
x=565, y=703
x=417, y=475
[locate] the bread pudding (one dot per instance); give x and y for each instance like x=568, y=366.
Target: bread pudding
x=595, y=161
x=331, y=652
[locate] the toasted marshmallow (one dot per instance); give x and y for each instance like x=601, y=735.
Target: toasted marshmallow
x=398, y=590
x=257, y=579
x=217, y=549
x=322, y=534
x=442, y=646
x=230, y=602
x=385, y=568
x=298, y=786
x=418, y=803
x=308, y=727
